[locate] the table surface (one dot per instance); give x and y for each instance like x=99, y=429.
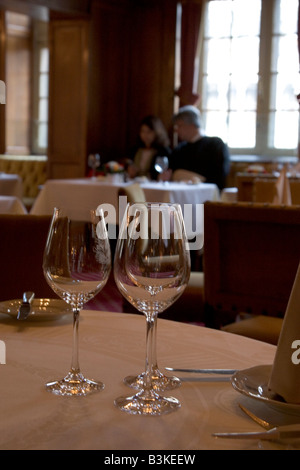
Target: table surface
x=112, y=345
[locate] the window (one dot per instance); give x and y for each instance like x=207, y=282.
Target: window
x=41, y=87
x=249, y=75
x=27, y=70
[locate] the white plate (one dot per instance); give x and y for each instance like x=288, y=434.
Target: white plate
x=41, y=309
x=253, y=383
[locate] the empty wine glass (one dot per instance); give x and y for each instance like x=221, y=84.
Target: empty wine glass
x=94, y=162
x=151, y=269
x=76, y=264
x=161, y=164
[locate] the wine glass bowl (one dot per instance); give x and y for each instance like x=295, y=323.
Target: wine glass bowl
x=94, y=161
x=151, y=269
x=76, y=265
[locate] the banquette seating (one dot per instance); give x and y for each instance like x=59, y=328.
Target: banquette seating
x=32, y=170
x=251, y=255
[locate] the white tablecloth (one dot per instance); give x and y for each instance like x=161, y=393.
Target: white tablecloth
x=92, y=192
x=112, y=345
x=11, y=185
x=11, y=205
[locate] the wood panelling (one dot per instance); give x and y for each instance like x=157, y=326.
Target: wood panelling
x=2, y=77
x=108, y=78
x=152, y=66
x=68, y=98
x=132, y=65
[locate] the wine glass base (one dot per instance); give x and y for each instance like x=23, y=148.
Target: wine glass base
x=148, y=406
x=74, y=385
x=160, y=382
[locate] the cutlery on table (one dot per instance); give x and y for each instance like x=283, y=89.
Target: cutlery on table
x=25, y=306
x=203, y=371
x=255, y=418
x=280, y=432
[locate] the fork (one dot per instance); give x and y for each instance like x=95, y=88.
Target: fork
x=255, y=418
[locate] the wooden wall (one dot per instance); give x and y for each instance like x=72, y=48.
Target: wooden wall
x=131, y=70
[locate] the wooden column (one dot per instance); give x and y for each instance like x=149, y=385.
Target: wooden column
x=67, y=146
x=2, y=77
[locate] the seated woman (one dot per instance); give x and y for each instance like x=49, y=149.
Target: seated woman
x=153, y=141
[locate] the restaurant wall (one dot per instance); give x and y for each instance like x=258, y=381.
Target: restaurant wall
x=2, y=77
x=112, y=62
x=131, y=71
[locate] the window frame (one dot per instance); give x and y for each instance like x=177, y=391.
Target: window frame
x=263, y=110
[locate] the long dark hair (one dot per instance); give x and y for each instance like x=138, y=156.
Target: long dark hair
x=155, y=124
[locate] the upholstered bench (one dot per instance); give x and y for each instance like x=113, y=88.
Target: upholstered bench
x=32, y=170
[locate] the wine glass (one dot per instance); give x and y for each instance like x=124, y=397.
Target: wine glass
x=161, y=164
x=151, y=269
x=76, y=265
x=94, y=162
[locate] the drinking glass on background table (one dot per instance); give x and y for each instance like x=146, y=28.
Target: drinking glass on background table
x=94, y=162
x=151, y=269
x=161, y=164
x=76, y=264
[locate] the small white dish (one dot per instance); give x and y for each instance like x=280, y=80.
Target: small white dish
x=41, y=309
x=253, y=383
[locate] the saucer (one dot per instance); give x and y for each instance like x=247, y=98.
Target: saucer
x=253, y=383
x=41, y=309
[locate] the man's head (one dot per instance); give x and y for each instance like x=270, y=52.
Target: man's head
x=187, y=123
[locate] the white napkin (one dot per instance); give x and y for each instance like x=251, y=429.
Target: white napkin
x=285, y=375
x=283, y=191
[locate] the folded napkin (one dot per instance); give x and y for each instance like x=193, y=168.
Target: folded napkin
x=285, y=374
x=283, y=191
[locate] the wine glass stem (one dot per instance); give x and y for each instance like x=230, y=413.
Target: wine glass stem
x=75, y=360
x=154, y=339
x=150, y=351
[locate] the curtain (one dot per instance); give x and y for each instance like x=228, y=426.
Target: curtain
x=299, y=29
x=190, y=28
x=298, y=96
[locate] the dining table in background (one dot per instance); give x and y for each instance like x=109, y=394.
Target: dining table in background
x=83, y=192
x=11, y=185
x=93, y=191
x=12, y=205
x=112, y=345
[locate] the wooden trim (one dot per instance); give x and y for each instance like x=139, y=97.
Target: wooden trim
x=3, y=78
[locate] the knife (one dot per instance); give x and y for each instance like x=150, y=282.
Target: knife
x=24, y=309
x=280, y=432
x=203, y=371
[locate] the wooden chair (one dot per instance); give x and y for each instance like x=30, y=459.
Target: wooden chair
x=133, y=192
x=186, y=175
x=251, y=255
x=22, y=243
x=264, y=190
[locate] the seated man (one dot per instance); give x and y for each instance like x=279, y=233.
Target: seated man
x=208, y=156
